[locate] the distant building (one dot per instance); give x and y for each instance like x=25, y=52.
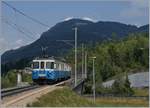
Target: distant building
x=27, y=70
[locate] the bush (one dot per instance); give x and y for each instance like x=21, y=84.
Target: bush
x=9, y=80
x=87, y=88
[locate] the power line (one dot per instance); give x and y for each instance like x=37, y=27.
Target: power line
x=16, y=28
x=27, y=16
x=22, y=13
x=20, y=27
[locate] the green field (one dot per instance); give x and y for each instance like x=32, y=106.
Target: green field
x=67, y=98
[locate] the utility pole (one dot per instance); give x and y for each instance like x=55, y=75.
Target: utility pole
x=75, y=59
x=85, y=68
x=75, y=56
x=94, y=78
x=82, y=61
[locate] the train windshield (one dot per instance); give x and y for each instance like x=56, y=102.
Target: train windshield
x=35, y=65
x=50, y=65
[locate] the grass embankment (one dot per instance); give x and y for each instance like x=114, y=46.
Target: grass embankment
x=67, y=98
x=62, y=98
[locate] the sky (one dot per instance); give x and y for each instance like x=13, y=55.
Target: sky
x=134, y=12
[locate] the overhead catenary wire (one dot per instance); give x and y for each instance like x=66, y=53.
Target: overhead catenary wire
x=43, y=40
x=27, y=36
x=27, y=16
x=22, y=29
x=16, y=28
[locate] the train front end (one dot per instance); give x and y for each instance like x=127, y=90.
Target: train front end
x=42, y=71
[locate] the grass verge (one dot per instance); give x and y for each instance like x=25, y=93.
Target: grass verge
x=65, y=97
x=121, y=102
x=141, y=91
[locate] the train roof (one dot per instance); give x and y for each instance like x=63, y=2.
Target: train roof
x=50, y=58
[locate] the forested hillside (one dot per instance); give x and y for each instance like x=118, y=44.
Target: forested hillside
x=117, y=57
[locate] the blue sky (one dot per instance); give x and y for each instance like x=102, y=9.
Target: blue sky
x=133, y=12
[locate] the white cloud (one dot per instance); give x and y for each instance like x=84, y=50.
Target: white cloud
x=89, y=19
x=19, y=42
x=45, y=29
x=83, y=18
x=68, y=18
x=6, y=45
x=137, y=24
x=38, y=35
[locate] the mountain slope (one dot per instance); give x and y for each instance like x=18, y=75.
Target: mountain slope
x=87, y=32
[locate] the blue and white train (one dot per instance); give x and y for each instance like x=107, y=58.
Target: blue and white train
x=48, y=70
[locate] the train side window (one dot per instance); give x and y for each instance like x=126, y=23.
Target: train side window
x=57, y=66
x=62, y=67
x=42, y=65
x=65, y=67
x=48, y=65
x=35, y=65
x=52, y=65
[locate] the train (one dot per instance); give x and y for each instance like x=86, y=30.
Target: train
x=49, y=70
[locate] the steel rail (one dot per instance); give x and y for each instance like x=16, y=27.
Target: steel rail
x=9, y=92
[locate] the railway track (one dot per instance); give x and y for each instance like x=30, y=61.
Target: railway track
x=15, y=90
x=22, y=96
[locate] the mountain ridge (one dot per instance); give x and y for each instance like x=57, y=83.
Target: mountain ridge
x=88, y=31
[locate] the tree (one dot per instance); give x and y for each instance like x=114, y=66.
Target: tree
x=127, y=87
x=122, y=87
x=117, y=87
